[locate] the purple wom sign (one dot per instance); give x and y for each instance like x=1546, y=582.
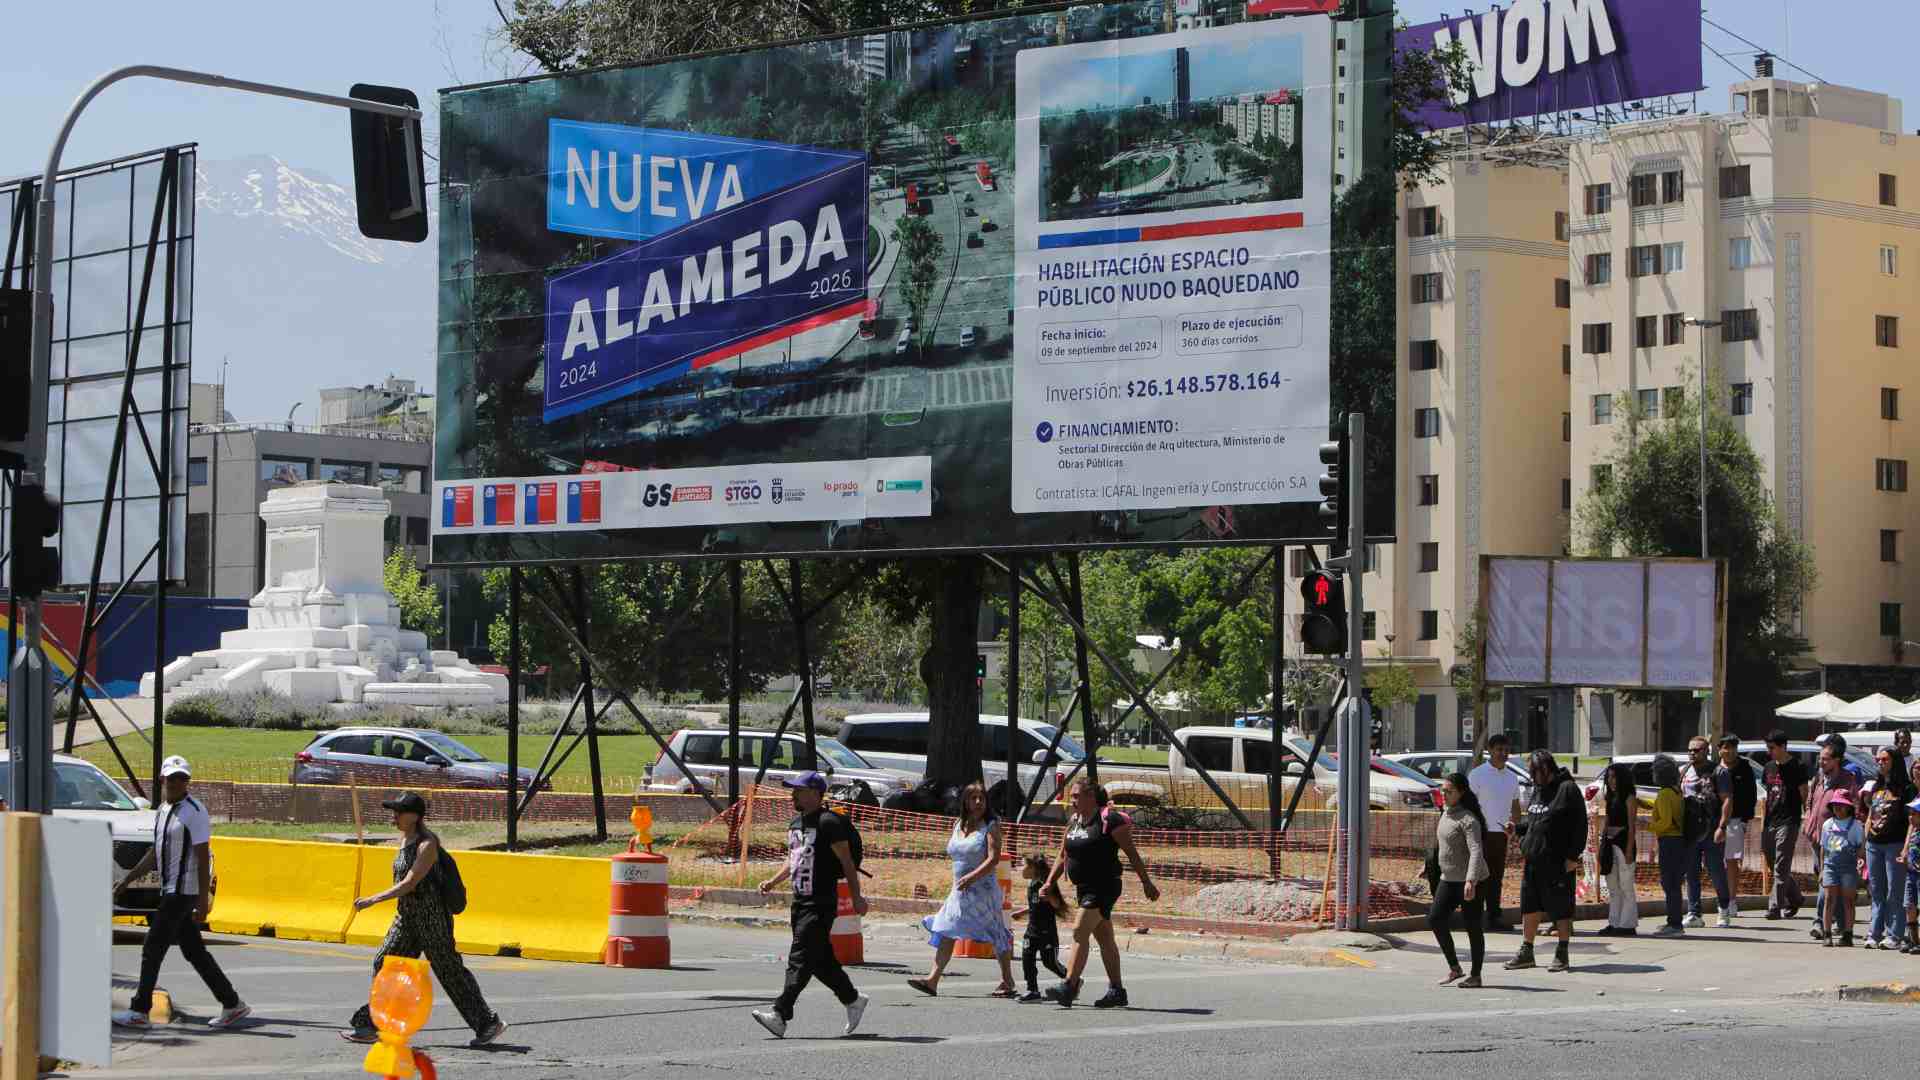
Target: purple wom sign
x=1543, y=56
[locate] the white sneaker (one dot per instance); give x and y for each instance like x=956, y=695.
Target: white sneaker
x=1724, y=922
x=1694, y=921
x=127, y=1018
x=770, y=1020
x=856, y=1010
x=230, y=1017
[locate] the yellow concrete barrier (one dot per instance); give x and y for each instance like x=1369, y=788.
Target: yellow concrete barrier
x=549, y=907
x=301, y=891
x=369, y=927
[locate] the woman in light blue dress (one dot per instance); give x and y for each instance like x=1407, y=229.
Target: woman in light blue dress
x=973, y=911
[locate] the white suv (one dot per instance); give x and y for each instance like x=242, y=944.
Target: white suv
x=850, y=778
x=899, y=741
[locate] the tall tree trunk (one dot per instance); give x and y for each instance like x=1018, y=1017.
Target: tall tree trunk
x=953, y=700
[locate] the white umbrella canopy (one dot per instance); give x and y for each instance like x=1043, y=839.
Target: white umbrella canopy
x=1870, y=709
x=1818, y=707
x=1906, y=712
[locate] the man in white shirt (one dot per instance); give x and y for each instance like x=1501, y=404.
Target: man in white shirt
x=1498, y=790
x=182, y=834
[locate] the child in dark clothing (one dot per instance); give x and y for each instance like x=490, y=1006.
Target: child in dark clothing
x=1041, y=945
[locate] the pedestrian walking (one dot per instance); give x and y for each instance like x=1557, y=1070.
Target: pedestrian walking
x=1832, y=775
x=423, y=924
x=1041, y=943
x=1910, y=862
x=1887, y=821
x=1786, y=780
x=819, y=857
x=1552, y=839
x=182, y=839
x=1841, y=841
x=1670, y=835
x=974, y=910
x=1461, y=850
x=1097, y=835
x=1708, y=803
x=1620, y=802
x=1498, y=790
x=1735, y=777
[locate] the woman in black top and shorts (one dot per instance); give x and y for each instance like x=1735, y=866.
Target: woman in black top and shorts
x=1090, y=852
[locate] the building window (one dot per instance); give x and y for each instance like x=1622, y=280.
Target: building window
x=1600, y=268
x=1670, y=399
x=1673, y=257
x=1649, y=403
x=1429, y=625
x=1566, y=427
x=1889, y=190
x=1890, y=620
x=1889, y=403
x=1599, y=198
x=1643, y=261
x=1429, y=557
x=1562, y=293
x=1673, y=186
x=409, y=479
x=1889, y=260
x=1889, y=474
x=1369, y=624
x=1646, y=331
x=1566, y=494
x=1298, y=562
x=1886, y=331
x=417, y=531
x=197, y=472
x=344, y=472
x=1736, y=181
x=1889, y=545
x=1742, y=399
x=1603, y=408
x=1643, y=190
x=1739, y=252
x=1566, y=359
x=1560, y=225
x=280, y=472
x=1425, y=355
x=1430, y=489
x=1602, y=477
x=1426, y=288
x=1596, y=337
x=1423, y=221
x=1673, y=329
x=1426, y=423
x=1740, y=325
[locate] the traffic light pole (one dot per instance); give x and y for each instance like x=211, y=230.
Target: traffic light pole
x=30, y=787
x=1355, y=755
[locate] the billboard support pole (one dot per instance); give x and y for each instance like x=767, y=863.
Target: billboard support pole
x=170, y=182
x=1356, y=762
x=1479, y=687
x=1083, y=671
x=733, y=683
x=585, y=628
x=1012, y=786
x=513, y=707
x=1275, y=708
x=805, y=653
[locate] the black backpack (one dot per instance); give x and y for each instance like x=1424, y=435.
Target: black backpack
x=854, y=847
x=445, y=876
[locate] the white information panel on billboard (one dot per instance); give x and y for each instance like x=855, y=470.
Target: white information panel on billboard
x=1172, y=285
x=1630, y=623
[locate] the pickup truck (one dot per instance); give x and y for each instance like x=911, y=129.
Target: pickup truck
x=899, y=741
x=1239, y=757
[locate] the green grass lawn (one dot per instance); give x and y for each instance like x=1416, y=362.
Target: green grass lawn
x=1133, y=755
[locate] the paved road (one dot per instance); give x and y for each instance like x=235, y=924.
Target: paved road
x=1716, y=1001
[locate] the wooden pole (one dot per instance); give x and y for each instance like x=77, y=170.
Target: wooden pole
x=20, y=1024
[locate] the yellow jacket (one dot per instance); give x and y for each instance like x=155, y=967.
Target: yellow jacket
x=1669, y=815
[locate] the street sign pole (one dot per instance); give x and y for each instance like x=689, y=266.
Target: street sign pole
x=1355, y=761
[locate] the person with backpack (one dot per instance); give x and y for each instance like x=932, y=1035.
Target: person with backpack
x=823, y=849
x=1553, y=838
x=1736, y=775
x=182, y=839
x=1704, y=788
x=426, y=882
x=1097, y=835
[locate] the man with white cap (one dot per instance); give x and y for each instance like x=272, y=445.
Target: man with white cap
x=181, y=834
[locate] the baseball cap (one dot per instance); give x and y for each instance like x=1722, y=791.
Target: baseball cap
x=410, y=803
x=1842, y=795
x=175, y=766
x=808, y=780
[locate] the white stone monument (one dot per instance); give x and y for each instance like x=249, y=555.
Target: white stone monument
x=325, y=629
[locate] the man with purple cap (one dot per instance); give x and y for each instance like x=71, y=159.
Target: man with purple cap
x=819, y=857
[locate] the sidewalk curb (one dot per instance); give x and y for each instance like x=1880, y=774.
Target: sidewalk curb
x=1893, y=993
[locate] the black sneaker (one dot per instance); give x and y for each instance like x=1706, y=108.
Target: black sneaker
x=1114, y=998
x=1560, y=961
x=361, y=1035
x=1063, y=994
x=488, y=1034
x=1030, y=997
x=1773, y=914
x=1846, y=939
x=1522, y=960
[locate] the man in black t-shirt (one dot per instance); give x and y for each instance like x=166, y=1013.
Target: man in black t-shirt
x=819, y=857
x=1785, y=781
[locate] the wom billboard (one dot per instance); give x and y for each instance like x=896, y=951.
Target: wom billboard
x=1640, y=624
x=1063, y=279
x=1534, y=57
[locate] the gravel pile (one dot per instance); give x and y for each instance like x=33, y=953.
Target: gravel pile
x=1259, y=901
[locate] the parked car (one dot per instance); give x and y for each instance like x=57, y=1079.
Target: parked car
x=904, y=342
x=899, y=741
x=1755, y=751
x=82, y=791
x=967, y=336
x=1440, y=764
x=850, y=777
x=1243, y=756
x=405, y=757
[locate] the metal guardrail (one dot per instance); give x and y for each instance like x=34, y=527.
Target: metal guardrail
x=309, y=429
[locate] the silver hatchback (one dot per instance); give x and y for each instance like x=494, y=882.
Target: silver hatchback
x=398, y=757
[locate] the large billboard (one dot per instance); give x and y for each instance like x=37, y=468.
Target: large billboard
x=1054, y=279
x=1639, y=624
x=1534, y=57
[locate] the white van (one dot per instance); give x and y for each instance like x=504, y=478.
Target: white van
x=1240, y=757
x=899, y=741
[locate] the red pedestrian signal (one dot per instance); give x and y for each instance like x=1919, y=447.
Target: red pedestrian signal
x=1323, y=629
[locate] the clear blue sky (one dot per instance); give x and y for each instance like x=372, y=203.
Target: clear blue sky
x=1862, y=43
x=55, y=49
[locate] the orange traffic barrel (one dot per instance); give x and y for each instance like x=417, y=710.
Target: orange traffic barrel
x=637, y=912
x=980, y=950
x=849, y=946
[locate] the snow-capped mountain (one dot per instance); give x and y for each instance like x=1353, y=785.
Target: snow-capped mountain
x=293, y=297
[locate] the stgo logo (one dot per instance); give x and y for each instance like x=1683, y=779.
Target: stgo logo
x=743, y=491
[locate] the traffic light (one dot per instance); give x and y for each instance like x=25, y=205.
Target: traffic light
x=16, y=370
x=1323, y=630
x=979, y=669
x=389, y=182
x=36, y=517
x=1334, y=456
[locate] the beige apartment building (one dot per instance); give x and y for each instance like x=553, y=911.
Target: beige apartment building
x=1481, y=431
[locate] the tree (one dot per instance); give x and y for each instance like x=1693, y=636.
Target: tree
x=1649, y=506
x=408, y=585
x=1110, y=597
x=876, y=656
x=1227, y=641
x=1308, y=684
x=1421, y=78
x=1391, y=687
x=920, y=249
